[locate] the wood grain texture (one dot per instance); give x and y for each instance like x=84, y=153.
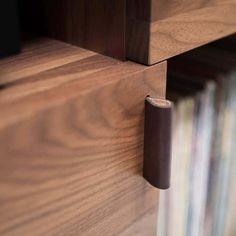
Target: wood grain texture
x=172, y=28
x=98, y=25
x=38, y=55
x=71, y=141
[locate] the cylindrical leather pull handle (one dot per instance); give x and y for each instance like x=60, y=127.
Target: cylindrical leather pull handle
x=157, y=142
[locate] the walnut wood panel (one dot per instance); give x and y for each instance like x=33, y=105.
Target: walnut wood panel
x=157, y=30
x=71, y=141
x=38, y=55
x=98, y=25
x=143, y=225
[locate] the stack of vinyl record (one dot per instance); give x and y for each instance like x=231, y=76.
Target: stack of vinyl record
x=202, y=197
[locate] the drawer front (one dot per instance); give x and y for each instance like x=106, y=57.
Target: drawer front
x=159, y=29
x=71, y=156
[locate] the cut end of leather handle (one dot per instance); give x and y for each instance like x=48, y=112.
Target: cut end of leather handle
x=157, y=142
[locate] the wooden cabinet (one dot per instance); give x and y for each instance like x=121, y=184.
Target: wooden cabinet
x=71, y=141
x=71, y=123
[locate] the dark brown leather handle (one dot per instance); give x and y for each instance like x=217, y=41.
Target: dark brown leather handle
x=157, y=142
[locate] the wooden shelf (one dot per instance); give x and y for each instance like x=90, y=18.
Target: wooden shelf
x=146, y=31
x=160, y=29
x=71, y=133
